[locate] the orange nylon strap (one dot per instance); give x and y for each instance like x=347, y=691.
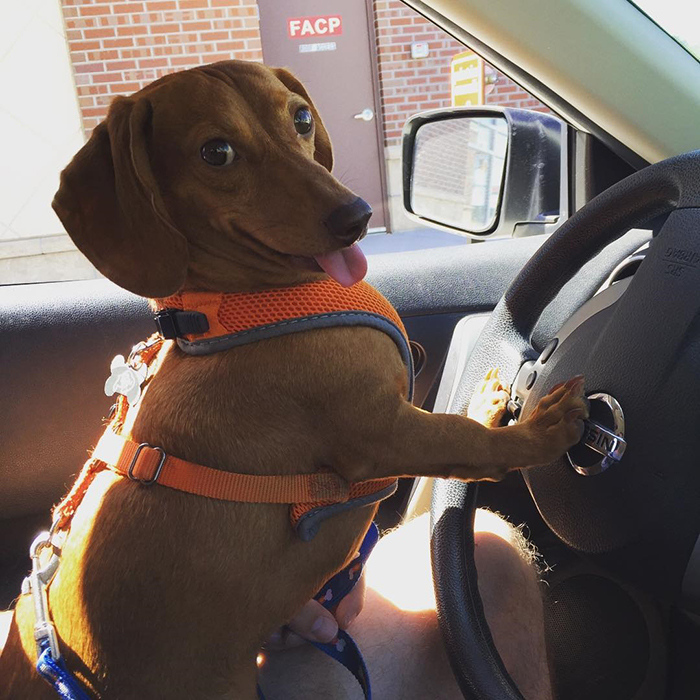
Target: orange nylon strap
x=241, y=311
x=233, y=313
x=65, y=510
x=151, y=465
x=63, y=513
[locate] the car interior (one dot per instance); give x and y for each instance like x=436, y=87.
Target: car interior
x=596, y=294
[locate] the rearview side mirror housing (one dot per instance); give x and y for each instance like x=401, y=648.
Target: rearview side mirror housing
x=486, y=172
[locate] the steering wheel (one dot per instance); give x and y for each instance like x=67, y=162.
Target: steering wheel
x=637, y=343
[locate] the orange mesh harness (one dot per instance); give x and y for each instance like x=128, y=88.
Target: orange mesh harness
x=204, y=323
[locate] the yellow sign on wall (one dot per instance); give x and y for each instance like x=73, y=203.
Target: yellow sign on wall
x=467, y=79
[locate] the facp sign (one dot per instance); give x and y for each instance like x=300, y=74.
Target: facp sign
x=304, y=27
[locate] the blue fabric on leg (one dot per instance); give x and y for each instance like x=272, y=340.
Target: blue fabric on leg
x=343, y=649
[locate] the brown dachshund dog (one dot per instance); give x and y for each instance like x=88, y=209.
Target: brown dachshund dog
x=218, y=178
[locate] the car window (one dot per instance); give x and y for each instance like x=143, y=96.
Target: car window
x=368, y=65
x=678, y=18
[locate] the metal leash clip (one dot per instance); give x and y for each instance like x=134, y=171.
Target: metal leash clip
x=36, y=584
x=134, y=359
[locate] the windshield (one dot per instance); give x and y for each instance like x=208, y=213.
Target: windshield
x=678, y=18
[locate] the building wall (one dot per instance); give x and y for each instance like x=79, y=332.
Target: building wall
x=119, y=47
x=40, y=130
x=411, y=85
x=406, y=85
x=79, y=54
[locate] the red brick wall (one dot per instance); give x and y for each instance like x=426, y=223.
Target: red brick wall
x=411, y=85
x=119, y=47
x=408, y=86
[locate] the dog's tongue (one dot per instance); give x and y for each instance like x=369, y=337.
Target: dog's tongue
x=345, y=266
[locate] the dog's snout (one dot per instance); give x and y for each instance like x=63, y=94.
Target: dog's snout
x=348, y=222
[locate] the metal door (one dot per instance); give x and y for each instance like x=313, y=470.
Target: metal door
x=328, y=46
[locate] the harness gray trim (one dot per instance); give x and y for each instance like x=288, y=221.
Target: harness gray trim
x=208, y=346
x=309, y=524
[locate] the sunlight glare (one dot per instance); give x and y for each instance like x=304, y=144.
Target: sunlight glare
x=399, y=568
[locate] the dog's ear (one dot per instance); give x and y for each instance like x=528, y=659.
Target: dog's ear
x=324, y=151
x=110, y=205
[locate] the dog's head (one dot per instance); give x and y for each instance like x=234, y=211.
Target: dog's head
x=213, y=178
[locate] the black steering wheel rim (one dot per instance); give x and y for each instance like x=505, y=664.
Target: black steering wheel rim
x=652, y=192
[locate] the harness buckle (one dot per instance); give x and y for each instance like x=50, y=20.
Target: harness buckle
x=166, y=323
x=159, y=468
x=174, y=323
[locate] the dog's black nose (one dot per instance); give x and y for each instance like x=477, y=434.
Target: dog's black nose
x=347, y=223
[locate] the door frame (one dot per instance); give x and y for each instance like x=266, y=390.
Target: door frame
x=378, y=114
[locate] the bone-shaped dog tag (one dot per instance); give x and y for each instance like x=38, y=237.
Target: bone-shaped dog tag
x=125, y=380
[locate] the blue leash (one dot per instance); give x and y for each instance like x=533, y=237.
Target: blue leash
x=343, y=649
x=57, y=675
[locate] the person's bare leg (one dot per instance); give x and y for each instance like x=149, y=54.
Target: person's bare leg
x=511, y=594
x=398, y=631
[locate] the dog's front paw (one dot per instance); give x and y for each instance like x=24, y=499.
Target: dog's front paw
x=489, y=403
x=556, y=424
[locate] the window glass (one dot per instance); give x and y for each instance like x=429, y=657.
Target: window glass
x=679, y=18
x=63, y=61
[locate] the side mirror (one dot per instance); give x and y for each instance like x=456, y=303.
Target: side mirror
x=486, y=171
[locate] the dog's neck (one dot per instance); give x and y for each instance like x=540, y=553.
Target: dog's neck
x=246, y=272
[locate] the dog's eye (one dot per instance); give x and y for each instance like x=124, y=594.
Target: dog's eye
x=218, y=152
x=303, y=120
